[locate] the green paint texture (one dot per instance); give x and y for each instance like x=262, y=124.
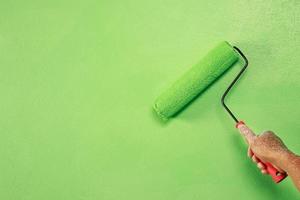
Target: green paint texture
x=78, y=80
x=195, y=80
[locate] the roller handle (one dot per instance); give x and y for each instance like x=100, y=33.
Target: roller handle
x=271, y=170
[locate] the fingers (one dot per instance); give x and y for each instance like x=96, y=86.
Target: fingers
x=263, y=171
x=259, y=164
x=279, y=169
x=262, y=167
x=252, y=156
x=255, y=159
x=250, y=153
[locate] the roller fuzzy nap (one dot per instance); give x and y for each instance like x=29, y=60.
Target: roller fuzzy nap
x=195, y=80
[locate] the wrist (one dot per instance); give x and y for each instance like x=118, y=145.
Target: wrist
x=287, y=160
x=281, y=159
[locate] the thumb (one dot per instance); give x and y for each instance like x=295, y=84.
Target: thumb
x=248, y=134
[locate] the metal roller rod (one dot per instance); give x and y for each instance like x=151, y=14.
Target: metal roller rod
x=232, y=84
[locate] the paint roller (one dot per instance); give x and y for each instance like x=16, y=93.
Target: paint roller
x=197, y=79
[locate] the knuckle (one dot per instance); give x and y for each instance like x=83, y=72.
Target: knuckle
x=267, y=133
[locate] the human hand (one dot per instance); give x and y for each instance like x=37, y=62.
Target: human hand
x=268, y=147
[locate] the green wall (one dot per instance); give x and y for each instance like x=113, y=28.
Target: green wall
x=78, y=80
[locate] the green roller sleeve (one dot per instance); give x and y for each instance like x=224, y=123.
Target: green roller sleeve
x=194, y=81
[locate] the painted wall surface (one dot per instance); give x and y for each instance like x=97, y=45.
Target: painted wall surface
x=78, y=80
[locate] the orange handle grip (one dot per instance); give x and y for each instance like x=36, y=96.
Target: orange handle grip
x=271, y=170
